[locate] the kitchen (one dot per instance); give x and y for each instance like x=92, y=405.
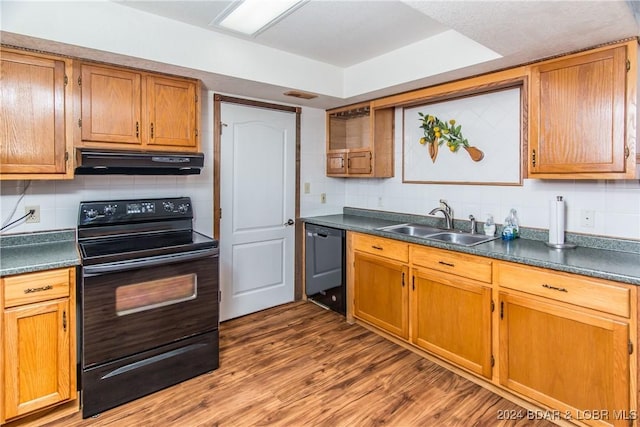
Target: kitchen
x=614, y=203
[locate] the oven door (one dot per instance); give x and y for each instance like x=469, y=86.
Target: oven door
x=132, y=306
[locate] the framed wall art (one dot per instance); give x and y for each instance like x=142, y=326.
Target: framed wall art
x=471, y=139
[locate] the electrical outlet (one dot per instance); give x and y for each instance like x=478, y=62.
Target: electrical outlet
x=35, y=217
x=587, y=218
x=323, y=197
x=307, y=187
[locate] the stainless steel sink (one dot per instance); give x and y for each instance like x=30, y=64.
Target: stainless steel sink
x=461, y=238
x=435, y=233
x=412, y=229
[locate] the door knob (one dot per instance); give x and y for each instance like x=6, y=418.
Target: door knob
x=289, y=222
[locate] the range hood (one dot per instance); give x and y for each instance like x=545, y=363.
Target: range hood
x=107, y=162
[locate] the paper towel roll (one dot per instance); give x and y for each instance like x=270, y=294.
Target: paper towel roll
x=556, y=221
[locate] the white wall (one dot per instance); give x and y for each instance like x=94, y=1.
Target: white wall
x=59, y=200
x=312, y=168
x=616, y=204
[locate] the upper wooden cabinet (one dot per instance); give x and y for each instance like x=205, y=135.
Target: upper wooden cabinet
x=129, y=109
x=360, y=141
x=35, y=125
x=582, y=115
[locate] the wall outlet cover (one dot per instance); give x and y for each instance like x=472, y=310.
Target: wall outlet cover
x=35, y=217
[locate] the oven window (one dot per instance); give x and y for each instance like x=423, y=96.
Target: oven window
x=155, y=293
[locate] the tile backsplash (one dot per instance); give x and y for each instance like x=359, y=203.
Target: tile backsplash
x=59, y=200
x=614, y=204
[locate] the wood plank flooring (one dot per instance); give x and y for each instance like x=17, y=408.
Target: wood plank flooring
x=300, y=365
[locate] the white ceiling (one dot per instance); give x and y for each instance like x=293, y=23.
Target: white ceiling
x=341, y=33
x=347, y=34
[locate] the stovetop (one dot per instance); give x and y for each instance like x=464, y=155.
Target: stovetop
x=120, y=230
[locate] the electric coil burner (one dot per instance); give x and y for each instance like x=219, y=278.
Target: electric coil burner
x=148, y=299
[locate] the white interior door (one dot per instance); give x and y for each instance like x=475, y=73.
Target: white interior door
x=257, y=198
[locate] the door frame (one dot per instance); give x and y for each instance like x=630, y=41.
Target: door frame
x=217, y=138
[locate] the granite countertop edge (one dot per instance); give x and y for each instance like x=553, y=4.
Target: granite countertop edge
x=38, y=251
x=595, y=261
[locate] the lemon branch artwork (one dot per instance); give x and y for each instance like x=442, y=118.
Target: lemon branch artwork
x=438, y=132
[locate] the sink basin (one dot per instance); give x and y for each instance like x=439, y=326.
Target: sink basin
x=460, y=238
x=412, y=229
x=434, y=233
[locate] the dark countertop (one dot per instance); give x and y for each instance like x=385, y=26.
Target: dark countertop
x=605, y=258
x=30, y=252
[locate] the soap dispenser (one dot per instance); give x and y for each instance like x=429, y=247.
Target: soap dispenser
x=490, y=226
x=511, y=228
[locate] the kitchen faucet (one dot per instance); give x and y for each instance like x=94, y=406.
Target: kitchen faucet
x=446, y=211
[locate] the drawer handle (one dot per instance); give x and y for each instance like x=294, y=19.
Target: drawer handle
x=555, y=288
x=40, y=289
x=377, y=247
x=446, y=263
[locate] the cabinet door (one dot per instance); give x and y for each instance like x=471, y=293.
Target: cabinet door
x=32, y=100
x=451, y=317
x=36, y=359
x=381, y=293
x=172, y=112
x=563, y=358
x=336, y=164
x=359, y=162
x=111, y=105
x=577, y=119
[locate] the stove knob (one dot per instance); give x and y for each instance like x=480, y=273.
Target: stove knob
x=91, y=213
x=168, y=206
x=183, y=208
x=109, y=210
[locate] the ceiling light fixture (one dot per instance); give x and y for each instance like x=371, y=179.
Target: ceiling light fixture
x=253, y=16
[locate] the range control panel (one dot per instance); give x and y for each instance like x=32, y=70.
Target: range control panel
x=126, y=211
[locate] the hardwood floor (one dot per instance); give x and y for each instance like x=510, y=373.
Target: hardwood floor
x=299, y=364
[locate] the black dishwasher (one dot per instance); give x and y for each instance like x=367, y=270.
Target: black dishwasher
x=325, y=282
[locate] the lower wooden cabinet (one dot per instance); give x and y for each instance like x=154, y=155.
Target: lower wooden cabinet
x=562, y=341
x=451, y=317
x=381, y=293
x=38, y=346
x=566, y=359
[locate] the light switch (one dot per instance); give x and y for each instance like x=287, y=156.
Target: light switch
x=307, y=187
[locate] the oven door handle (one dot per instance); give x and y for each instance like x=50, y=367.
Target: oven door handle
x=117, y=267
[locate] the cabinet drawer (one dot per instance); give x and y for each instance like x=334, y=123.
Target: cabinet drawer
x=35, y=287
x=570, y=288
x=380, y=246
x=451, y=262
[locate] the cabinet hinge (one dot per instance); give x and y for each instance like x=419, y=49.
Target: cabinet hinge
x=493, y=361
x=66, y=156
x=502, y=309
x=533, y=158
x=80, y=81
x=196, y=132
x=493, y=306
x=403, y=279
x=626, y=151
x=413, y=282
x=219, y=296
x=630, y=347
x=79, y=123
x=628, y=65
x=196, y=98
x=64, y=321
x=66, y=80
x=220, y=213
